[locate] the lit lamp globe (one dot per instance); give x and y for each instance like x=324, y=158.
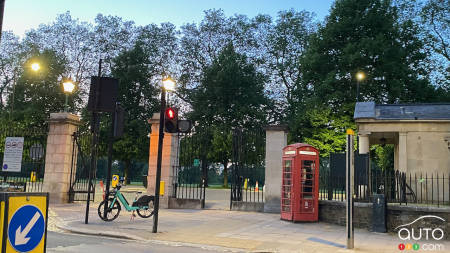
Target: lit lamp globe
x=68, y=88
x=168, y=84
x=35, y=66
x=360, y=76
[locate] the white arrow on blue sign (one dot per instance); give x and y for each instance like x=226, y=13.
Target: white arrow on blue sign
x=26, y=228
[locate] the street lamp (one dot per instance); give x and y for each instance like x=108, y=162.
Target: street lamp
x=168, y=84
x=360, y=76
x=68, y=89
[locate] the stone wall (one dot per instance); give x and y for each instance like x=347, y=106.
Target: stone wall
x=334, y=212
x=400, y=215
x=175, y=203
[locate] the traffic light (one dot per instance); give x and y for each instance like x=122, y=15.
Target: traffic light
x=171, y=120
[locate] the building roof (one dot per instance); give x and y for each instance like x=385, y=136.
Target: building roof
x=370, y=110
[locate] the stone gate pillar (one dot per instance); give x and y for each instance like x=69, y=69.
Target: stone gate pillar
x=276, y=140
x=58, y=155
x=364, y=144
x=169, y=161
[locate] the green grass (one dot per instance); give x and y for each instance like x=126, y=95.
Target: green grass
x=217, y=186
x=138, y=183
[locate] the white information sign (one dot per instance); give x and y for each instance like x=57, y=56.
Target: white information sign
x=12, y=158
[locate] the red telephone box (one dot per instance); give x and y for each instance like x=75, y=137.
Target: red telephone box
x=300, y=183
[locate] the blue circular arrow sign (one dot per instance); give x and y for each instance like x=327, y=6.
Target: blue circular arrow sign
x=26, y=228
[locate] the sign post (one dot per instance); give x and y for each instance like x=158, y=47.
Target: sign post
x=23, y=222
x=349, y=158
x=12, y=157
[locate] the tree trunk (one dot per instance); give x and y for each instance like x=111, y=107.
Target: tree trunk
x=225, y=175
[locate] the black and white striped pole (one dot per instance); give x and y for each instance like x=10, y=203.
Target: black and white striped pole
x=350, y=170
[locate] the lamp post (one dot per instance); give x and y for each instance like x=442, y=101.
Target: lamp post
x=68, y=89
x=360, y=76
x=169, y=85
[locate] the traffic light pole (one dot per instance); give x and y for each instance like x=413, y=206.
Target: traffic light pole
x=349, y=188
x=110, y=151
x=94, y=142
x=159, y=159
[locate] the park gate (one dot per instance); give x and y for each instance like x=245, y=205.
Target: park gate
x=191, y=172
x=213, y=157
x=80, y=168
x=248, y=166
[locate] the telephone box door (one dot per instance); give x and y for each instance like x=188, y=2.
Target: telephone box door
x=286, y=189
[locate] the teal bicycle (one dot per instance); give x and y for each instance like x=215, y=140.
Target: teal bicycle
x=144, y=205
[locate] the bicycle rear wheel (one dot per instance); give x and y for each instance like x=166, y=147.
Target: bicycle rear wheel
x=112, y=213
x=147, y=213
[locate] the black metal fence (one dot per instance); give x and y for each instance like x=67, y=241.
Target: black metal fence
x=31, y=175
x=248, y=166
x=398, y=187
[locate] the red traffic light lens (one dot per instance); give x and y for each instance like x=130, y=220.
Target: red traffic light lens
x=170, y=113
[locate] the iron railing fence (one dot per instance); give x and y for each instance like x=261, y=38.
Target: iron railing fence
x=398, y=187
x=31, y=175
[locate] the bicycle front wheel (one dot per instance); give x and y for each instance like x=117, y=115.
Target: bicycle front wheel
x=112, y=213
x=146, y=212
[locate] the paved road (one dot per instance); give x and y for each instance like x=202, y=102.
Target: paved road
x=64, y=242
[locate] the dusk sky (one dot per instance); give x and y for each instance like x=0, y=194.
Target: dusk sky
x=22, y=15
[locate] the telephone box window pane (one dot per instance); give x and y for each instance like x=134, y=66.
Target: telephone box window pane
x=287, y=166
x=307, y=177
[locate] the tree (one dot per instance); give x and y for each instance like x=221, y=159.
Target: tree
x=434, y=15
x=231, y=93
x=37, y=94
x=11, y=56
x=137, y=95
x=81, y=44
x=436, y=24
x=357, y=35
x=287, y=41
x=433, y=28
x=201, y=44
x=230, y=96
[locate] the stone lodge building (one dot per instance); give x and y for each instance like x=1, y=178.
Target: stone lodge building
x=420, y=134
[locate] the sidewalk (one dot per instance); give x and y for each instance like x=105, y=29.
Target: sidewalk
x=233, y=230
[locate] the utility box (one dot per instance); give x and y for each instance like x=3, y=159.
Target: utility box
x=23, y=222
x=379, y=213
x=300, y=183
